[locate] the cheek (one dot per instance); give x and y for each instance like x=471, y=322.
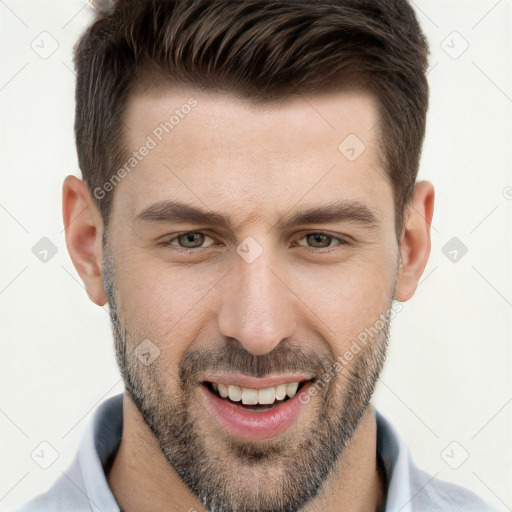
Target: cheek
x=165, y=305
x=344, y=301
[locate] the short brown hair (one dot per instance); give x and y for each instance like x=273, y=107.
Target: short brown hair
x=260, y=50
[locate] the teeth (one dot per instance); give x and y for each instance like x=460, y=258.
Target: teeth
x=251, y=396
x=267, y=396
x=223, y=390
x=280, y=392
x=234, y=393
x=291, y=389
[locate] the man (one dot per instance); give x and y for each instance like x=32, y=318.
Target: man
x=250, y=213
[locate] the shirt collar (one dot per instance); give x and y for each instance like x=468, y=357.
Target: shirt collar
x=102, y=437
x=395, y=456
x=100, y=442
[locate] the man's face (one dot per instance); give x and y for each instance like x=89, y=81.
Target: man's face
x=261, y=303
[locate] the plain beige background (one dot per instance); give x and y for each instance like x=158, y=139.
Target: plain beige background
x=447, y=381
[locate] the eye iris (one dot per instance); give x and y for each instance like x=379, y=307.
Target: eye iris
x=189, y=237
x=316, y=236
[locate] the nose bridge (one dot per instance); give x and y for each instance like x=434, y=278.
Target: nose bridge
x=257, y=307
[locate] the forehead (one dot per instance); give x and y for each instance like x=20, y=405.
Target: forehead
x=312, y=117
x=230, y=153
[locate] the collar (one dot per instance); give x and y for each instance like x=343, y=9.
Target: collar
x=394, y=453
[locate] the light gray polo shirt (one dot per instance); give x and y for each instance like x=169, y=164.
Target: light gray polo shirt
x=83, y=487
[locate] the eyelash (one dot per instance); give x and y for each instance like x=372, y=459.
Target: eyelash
x=167, y=243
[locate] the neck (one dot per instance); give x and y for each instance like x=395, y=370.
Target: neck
x=141, y=475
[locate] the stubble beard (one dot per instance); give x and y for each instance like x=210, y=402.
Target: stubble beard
x=229, y=475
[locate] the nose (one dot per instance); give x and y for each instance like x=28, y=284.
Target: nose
x=257, y=306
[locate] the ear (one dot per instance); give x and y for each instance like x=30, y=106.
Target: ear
x=83, y=224
x=415, y=240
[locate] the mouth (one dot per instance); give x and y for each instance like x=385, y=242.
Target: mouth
x=253, y=399
x=253, y=413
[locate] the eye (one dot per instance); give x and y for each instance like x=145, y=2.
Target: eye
x=188, y=241
x=194, y=240
x=321, y=240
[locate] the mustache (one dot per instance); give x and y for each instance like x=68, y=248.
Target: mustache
x=234, y=358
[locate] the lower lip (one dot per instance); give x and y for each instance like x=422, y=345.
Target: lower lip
x=255, y=425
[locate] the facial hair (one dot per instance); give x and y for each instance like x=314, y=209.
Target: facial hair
x=229, y=475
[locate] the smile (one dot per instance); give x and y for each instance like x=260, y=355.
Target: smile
x=254, y=413
x=251, y=396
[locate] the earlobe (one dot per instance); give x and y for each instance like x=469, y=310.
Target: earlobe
x=415, y=242
x=83, y=225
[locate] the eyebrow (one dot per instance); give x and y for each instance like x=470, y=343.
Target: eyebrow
x=169, y=211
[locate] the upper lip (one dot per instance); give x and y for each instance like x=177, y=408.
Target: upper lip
x=246, y=381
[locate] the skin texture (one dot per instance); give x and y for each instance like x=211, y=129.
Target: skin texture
x=295, y=308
